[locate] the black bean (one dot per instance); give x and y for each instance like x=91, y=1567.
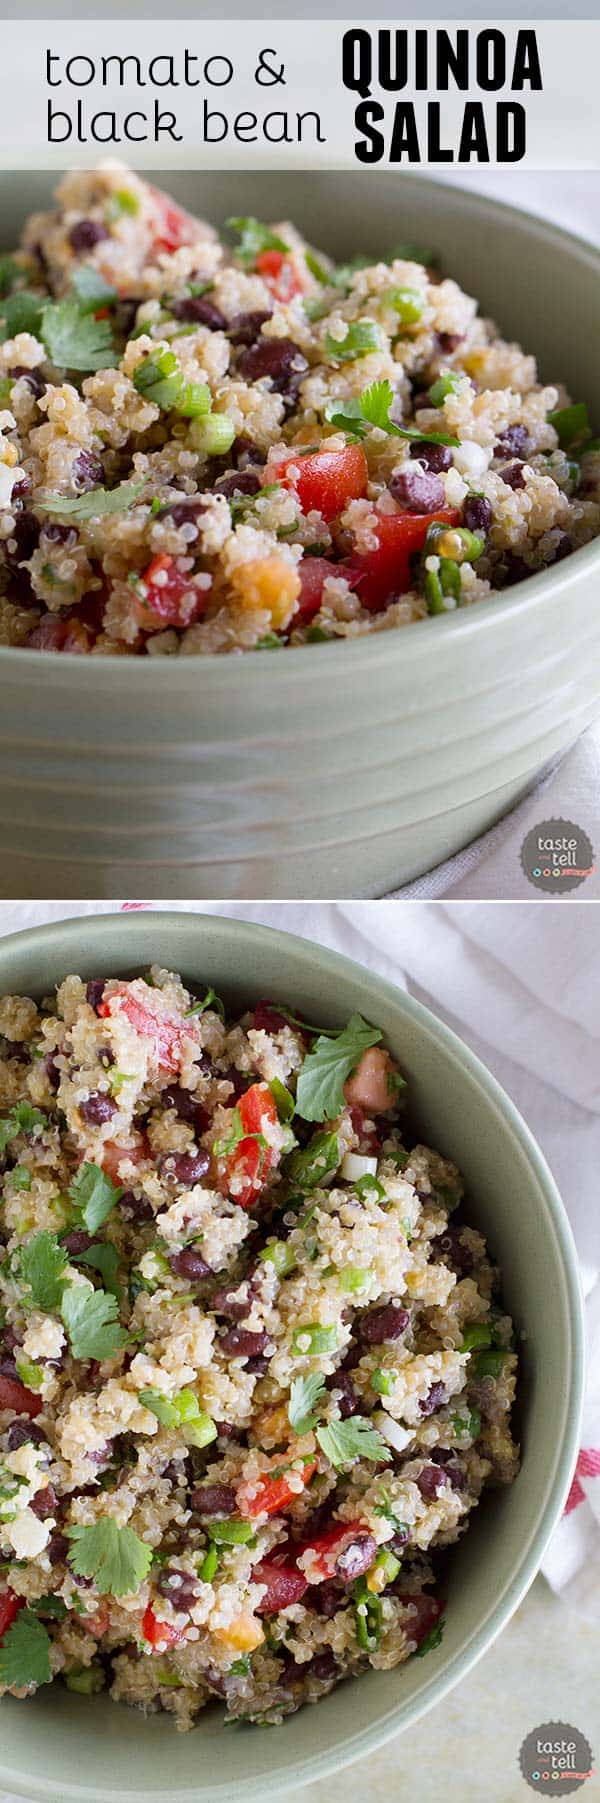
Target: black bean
x=135, y=1208
x=448, y=341
x=240, y=482
x=189, y=1264
x=97, y=1110
x=328, y=1598
x=323, y=1666
x=258, y=1366
x=213, y=1499
x=418, y=489
x=246, y=452
x=201, y=312
x=432, y=1400
x=348, y=1401
x=24, y=538
x=226, y=1301
x=184, y=1167
x=8, y=1368
x=446, y=1457
x=563, y=548
x=240, y=1342
x=49, y=1065
x=436, y=457
x=356, y=1558
x=77, y=1242
x=20, y=1431
x=86, y=233
x=430, y=1480
x=477, y=514
x=21, y=488
x=245, y=328
x=180, y=1588
x=44, y=1503
x=454, y=1250
x=386, y=1323
x=512, y=474
x=59, y=535
x=88, y=470
x=94, y=992
x=513, y=442
x=57, y=1549
x=186, y=1106
x=277, y=359
x=35, y=383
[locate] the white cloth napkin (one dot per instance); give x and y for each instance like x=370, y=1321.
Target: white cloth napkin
x=516, y=983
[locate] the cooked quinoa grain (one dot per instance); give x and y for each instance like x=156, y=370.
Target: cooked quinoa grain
x=211, y=446
x=254, y=1369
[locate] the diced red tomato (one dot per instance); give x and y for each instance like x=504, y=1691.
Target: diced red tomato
x=173, y=225
x=371, y=1085
x=159, y=1634
x=171, y=599
x=280, y=275
x=60, y=634
x=272, y=1494
x=165, y=1033
x=428, y=1611
x=251, y=1161
x=9, y=1608
x=114, y=1150
x=284, y=1584
x=328, y=1546
x=96, y=1624
x=377, y=575
x=368, y=1139
x=313, y=573
x=15, y=1395
x=326, y=480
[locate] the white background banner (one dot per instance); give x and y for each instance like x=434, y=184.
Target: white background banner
x=271, y=93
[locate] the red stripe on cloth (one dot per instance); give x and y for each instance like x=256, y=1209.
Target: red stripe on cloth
x=133, y=907
x=588, y=1465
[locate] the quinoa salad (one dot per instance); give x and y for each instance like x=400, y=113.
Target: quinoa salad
x=255, y=1372
x=211, y=444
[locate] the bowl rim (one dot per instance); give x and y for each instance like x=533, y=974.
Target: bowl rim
x=322, y=1764
x=458, y=623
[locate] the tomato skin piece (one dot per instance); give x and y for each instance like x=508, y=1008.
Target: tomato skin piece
x=429, y=1609
x=274, y=1493
x=166, y=1034
x=325, y=480
x=377, y=575
x=55, y=634
x=250, y=1159
x=163, y=602
x=9, y=1609
x=159, y=1634
x=96, y=1624
x=267, y=1019
x=279, y=273
x=114, y=1150
x=369, y=1141
x=174, y=226
x=313, y=573
x=285, y=1585
x=15, y=1395
x=328, y=1546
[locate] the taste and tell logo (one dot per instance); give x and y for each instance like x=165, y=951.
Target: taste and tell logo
x=556, y=856
x=555, y=1759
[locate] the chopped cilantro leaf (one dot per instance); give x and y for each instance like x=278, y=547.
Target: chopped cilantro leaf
x=105, y=1259
x=91, y=289
x=373, y=409
x=41, y=1264
x=74, y=339
x=25, y=1652
x=93, y=1193
x=22, y=1119
x=255, y=238
x=305, y=1393
x=432, y=1639
x=92, y=1322
x=344, y=1441
x=9, y=274
x=115, y=1558
x=210, y=1000
x=92, y=504
x=320, y=1093
x=22, y=312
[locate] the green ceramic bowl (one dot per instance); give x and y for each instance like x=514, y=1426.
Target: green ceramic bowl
x=328, y=770
x=72, y=1750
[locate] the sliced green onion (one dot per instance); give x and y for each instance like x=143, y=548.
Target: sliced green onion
x=158, y=379
x=362, y=336
x=480, y=1334
x=368, y=1616
x=280, y=1255
x=445, y=385
x=283, y=1099
x=201, y=1430
x=383, y=1382
x=86, y=1680
x=352, y=1278
x=369, y=1186
x=316, y=1161
x=489, y=1364
x=467, y=1424
x=209, y=1565
x=231, y=1533
x=407, y=303
x=387, y=1563
x=30, y=1374
x=194, y=400
x=314, y=1338
x=213, y=436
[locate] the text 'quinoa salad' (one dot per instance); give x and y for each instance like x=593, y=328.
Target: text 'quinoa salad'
x=254, y=1371
x=211, y=446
